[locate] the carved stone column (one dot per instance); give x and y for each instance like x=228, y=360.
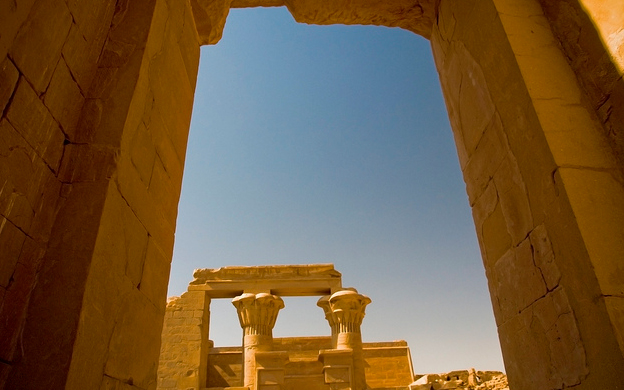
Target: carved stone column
x=345, y=310
x=257, y=314
x=323, y=303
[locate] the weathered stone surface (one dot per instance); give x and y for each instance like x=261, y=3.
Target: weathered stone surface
x=63, y=98
x=416, y=16
x=12, y=15
x=210, y=19
x=549, y=334
x=11, y=241
x=388, y=364
x=544, y=257
x=283, y=280
x=258, y=310
x=8, y=80
x=485, y=159
x=15, y=202
x=469, y=379
x=155, y=276
x=185, y=344
x=512, y=194
x=132, y=338
x=584, y=29
x=16, y=297
x=515, y=282
x=535, y=96
x=524, y=219
x=37, y=46
x=34, y=122
x=493, y=232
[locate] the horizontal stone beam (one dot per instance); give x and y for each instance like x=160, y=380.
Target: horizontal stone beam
x=282, y=288
x=281, y=280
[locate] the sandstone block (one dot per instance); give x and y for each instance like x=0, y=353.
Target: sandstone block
x=164, y=194
x=87, y=163
x=513, y=199
x=46, y=202
x=615, y=305
x=172, y=99
x=189, y=48
x=133, y=337
x=155, y=276
x=63, y=98
x=16, y=297
x=143, y=205
x=34, y=122
x=544, y=257
x=597, y=199
x=210, y=19
x=15, y=204
x=143, y=153
x=573, y=135
x=8, y=80
x=171, y=159
x=475, y=105
x=485, y=159
x=11, y=242
x=81, y=56
x=12, y=15
x=496, y=238
x=515, y=282
x=92, y=19
x=37, y=46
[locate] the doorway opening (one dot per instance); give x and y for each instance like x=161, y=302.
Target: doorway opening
x=331, y=144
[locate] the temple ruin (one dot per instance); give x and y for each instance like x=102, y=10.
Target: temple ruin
x=96, y=100
x=340, y=360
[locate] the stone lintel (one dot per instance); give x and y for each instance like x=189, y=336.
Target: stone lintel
x=281, y=280
x=256, y=3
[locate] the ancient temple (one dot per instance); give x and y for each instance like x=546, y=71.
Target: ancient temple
x=340, y=360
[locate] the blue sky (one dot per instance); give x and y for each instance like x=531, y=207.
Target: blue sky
x=331, y=144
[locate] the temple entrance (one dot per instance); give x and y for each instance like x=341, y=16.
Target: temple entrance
x=96, y=103
x=343, y=156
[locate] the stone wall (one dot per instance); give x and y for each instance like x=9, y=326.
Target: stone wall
x=545, y=189
x=582, y=28
x=388, y=364
x=96, y=102
x=49, y=53
x=183, y=354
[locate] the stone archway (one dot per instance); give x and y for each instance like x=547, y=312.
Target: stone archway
x=96, y=102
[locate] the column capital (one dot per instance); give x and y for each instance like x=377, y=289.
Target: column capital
x=257, y=313
x=344, y=310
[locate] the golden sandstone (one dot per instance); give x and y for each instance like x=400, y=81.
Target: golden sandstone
x=188, y=359
x=95, y=103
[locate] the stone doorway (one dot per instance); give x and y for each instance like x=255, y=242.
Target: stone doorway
x=92, y=93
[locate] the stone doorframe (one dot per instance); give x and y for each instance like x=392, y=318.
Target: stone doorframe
x=97, y=98
x=257, y=293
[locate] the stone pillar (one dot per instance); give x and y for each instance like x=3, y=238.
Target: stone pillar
x=104, y=96
x=345, y=312
x=323, y=303
x=270, y=373
x=257, y=314
x=544, y=186
x=337, y=368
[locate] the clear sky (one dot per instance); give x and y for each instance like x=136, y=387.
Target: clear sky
x=331, y=144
